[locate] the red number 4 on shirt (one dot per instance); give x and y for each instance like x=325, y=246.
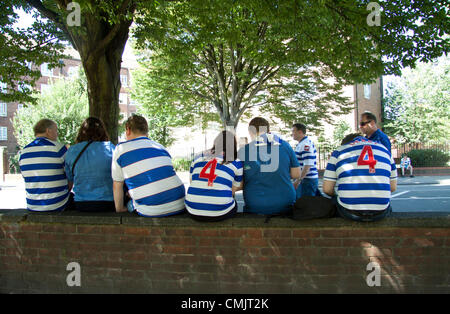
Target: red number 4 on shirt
x=366, y=159
x=211, y=176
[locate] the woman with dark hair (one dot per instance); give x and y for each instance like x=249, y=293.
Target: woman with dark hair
x=88, y=167
x=215, y=178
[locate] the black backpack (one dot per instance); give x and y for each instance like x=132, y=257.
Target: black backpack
x=312, y=207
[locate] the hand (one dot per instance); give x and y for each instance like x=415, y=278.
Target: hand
x=121, y=210
x=297, y=183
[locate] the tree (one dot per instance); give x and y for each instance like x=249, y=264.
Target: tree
x=417, y=106
x=66, y=103
x=20, y=49
x=231, y=56
x=327, y=32
x=98, y=30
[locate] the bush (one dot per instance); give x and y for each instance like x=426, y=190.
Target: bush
x=181, y=164
x=428, y=158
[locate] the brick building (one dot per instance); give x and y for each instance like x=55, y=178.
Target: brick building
x=69, y=67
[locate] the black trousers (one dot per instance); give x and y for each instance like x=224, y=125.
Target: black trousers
x=230, y=214
x=95, y=206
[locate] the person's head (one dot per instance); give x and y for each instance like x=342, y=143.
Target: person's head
x=349, y=138
x=136, y=126
x=92, y=129
x=368, y=123
x=298, y=131
x=405, y=156
x=258, y=126
x=46, y=128
x=225, y=144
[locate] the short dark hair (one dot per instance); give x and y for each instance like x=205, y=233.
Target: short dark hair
x=300, y=127
x=259, y=124
x=225, y=142
x=137, y=124
x=42, y=125
x=349, y=138
x=369, y=116
x=92, y=129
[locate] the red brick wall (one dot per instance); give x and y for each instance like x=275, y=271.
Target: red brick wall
x=209, y=258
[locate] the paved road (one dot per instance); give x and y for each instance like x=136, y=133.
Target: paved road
x=418, y=194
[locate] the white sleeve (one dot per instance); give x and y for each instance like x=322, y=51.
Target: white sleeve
x=116, y=169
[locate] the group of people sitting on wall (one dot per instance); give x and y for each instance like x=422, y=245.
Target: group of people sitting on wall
x=137, y=175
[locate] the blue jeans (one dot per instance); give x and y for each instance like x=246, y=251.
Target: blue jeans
x=361, y=215
x=308, y=187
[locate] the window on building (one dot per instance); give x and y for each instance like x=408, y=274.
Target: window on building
x=3, y=109
x=24, y=87
x=124, y=80
x=45, y=88
x=123, y=98
x=72, y=71
x=3, y=133
x=3, y=87
x=367, y=91
x=45, y=71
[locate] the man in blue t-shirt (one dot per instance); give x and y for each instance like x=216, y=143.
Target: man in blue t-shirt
x=269, y=165
x=368, y=126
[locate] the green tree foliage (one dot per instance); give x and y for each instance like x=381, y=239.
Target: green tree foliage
x=22, y=50
x=264, y=36
x=66, y=103
x=417, y=105
x=230, y=56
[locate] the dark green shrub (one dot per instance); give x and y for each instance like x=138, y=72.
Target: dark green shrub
x=428, y=158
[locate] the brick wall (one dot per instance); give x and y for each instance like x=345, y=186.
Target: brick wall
x=130, y=254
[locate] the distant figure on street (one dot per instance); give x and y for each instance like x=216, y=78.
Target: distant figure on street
x=42, y=165
x=405, y=164
x=145, y=167
x=368, y=126
x=308, y=183
x=365, y=175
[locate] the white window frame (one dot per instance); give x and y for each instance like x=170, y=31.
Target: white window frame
x=3, y=109
x=367, y=91
x=3, y=133
x=123, y=97
x=45, y=71
x=3, y=87
x=124, y=80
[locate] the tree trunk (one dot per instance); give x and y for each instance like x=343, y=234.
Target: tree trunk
x=100, y=45
x=103, y=77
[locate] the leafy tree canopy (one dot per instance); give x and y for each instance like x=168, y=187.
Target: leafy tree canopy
x=66, y=103
x=417, y=104
x=289, y=57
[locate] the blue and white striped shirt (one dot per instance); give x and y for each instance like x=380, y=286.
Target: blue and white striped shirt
x=306, y=156
x=210, y=193
x=146, y=168
x=42, y=165
x=362, y=171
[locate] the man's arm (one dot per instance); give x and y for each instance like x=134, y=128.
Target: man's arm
x=328, y=187
x=118, y=196
x=393, y=185
x=302, y=175
x=295, y=172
